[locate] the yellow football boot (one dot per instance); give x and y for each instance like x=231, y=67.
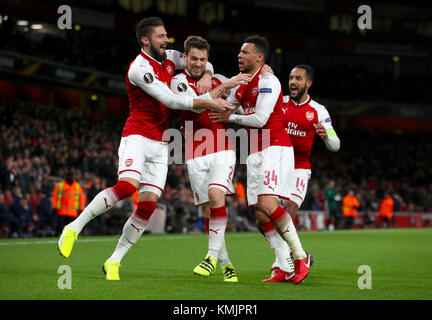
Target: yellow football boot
x=206, y=268
x=111, y=269
x=66, y=241
x=230, y=275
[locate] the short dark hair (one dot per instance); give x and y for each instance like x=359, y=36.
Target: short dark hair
x=196, y=42
x=260, y=43
x=145, y=27
x=310, y=72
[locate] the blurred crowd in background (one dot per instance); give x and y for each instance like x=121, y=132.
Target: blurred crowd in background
x=40, y=145
x=339, y=76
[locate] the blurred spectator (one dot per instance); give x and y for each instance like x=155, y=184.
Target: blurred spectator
x=8, y=222
x=45, y=216
x=333, y=216
x=350, y=205
x=68, y=201
x=386, y=210
x=237, y=218
x=98, y=226
x=23, y=211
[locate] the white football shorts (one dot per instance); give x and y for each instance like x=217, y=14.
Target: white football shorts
x=269, y=173
x=145, y=160
x=214, y=170
x=299, y=184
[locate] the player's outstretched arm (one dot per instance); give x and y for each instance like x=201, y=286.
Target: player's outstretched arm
x=143, y=76
x=269, y=90
x=235, y=81
x=216, y=105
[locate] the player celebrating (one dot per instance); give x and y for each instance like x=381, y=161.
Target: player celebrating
x=143, y=155
x=210, y=163
x=271, y=159
x=303, y=118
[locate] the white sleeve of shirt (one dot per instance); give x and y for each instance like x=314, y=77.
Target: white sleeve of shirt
x=233, y=100
x=177, y=58
x=143, y=76
x=220, y=77
x=179, y=85
x=332, y=142
x=323, y=116
x=269, y=89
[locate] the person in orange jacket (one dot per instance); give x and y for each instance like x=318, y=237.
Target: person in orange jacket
x=386, y=210
x=67, y=201
x=350, y=205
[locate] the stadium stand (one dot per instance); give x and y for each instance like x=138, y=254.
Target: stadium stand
x=39, y=142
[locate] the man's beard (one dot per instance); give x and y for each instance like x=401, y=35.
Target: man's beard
x=300, y=93
x=247, y=70
x=196, y=76
x=156, y=53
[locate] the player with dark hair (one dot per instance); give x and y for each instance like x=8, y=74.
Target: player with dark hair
x=143, y=151
x=270, y=163
x=210, y=163
x=303, y=119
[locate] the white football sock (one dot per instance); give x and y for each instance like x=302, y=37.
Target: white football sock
x=279, y=247
x=289, y=234
x=103, y=202
x=132, y=231
x=217, y=225
x=223, y=255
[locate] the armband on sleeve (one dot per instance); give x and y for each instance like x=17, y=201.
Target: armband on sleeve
x=332, y=142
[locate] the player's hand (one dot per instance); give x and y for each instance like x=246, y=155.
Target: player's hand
x=241, y=78
x=320, y=130
x=220, y=105
x=266, y=69
x=219, y=117
x=204, y=84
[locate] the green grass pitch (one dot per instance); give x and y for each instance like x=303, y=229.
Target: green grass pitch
x=159, y=267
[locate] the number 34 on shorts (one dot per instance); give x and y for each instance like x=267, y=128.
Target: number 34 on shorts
x=270, y=177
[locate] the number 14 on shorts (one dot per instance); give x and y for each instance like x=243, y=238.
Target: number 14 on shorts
x=300, y=185
x=270, y=176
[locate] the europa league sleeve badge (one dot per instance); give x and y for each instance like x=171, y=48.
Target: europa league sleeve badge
x=182, y=87
x=148, y=78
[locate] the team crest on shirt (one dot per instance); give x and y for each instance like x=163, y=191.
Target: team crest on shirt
x=182, y=87
x=170, y=70
x=254, y=91
x=309, y=115
x=128, y=162
x=148, y=78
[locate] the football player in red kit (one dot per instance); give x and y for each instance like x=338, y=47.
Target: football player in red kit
x=210, y=162
x=303, y=119
x=143, y=151
x=270, y=163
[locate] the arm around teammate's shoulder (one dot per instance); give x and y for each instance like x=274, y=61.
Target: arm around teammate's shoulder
x=143, y=76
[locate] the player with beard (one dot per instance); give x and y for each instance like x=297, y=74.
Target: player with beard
x=271, y=159
x=143, y=150
x=210, y=162
x=303, y=119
